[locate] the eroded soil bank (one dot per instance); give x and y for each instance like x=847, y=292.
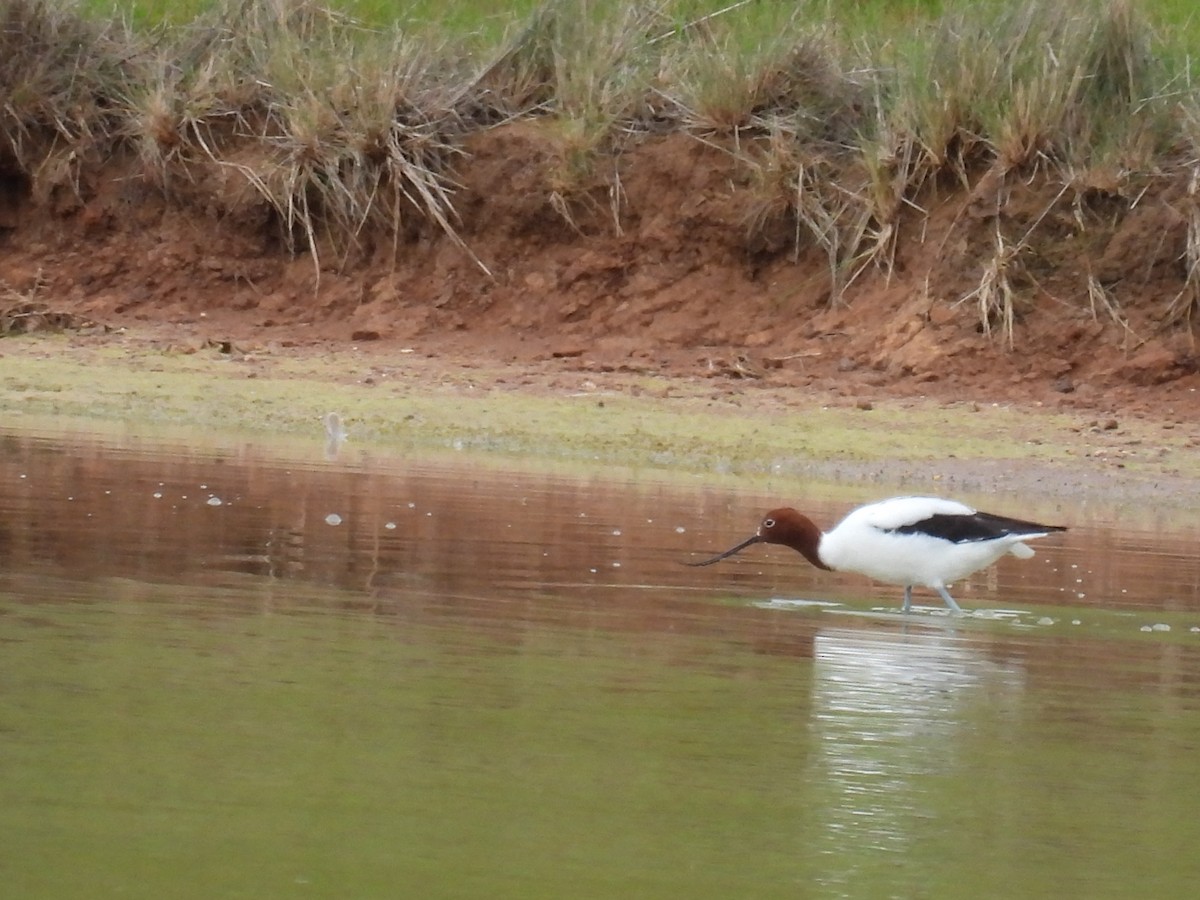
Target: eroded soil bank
x=660, y=283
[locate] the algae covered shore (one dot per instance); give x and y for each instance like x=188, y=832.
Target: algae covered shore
x=406, y=401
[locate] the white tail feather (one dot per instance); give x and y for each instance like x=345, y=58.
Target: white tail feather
x=1021, y=551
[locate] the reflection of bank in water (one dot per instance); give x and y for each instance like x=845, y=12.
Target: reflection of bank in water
x=889, y=712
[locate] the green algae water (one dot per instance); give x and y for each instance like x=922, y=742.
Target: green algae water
x=230, y=673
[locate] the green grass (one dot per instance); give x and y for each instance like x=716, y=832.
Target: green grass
x=462, y=15
x=861, y=16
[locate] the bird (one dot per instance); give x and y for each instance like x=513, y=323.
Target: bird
x=335, y=434
x=910, y=541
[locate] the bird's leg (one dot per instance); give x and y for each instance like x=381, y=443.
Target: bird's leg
x=949, y=600
x=907, y=598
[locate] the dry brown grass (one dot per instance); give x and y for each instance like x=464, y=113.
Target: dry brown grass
x=351, y=136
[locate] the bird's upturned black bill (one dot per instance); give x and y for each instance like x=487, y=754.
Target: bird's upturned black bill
x=753, y=539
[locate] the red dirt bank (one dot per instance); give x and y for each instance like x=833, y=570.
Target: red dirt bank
x=672, y=283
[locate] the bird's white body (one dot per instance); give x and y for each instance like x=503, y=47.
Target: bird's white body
x=909, y=541
x=866, y=542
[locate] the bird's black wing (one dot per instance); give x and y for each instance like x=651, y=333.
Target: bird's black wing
x=980, y=526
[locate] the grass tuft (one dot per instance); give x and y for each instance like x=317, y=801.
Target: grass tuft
x=58, y=72
x=995, y=296
x=1182, y=307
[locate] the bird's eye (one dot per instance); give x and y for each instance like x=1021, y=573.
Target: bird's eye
x=768, y=523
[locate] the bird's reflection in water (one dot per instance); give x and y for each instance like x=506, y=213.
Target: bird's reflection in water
x=890, y=711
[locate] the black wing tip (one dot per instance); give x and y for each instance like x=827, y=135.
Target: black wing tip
x=1036, y=528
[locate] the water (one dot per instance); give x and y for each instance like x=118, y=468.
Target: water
x=241, y=672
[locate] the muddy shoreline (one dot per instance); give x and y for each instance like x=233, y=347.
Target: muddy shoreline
x=572, y=409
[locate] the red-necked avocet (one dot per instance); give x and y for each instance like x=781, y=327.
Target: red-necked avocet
x=908, y=541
